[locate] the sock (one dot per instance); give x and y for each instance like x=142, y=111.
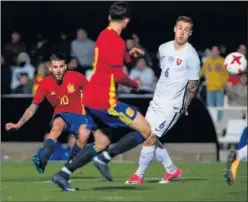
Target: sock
x=163, y=157
x=129, y=141
x=242, y=153
x=82, y=158
x=146, y=156
x=74, y=151
x=47, y=150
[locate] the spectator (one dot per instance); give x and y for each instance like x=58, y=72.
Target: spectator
x=242, y=49
x=237, y=95
x=73, y=64
x=5, y=77
x=216, y=77
x=23, y=67
x=63, y=45
x=42, y=71
x=25, y=86
x=12, y=49
x=147, y=55
x=207, y=54
x=40, y=51
x=223, y=51
x=57, y=154
x=83, y=49
x=144, y=75
x=67, y=151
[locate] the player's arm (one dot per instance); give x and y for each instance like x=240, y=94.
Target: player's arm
x=30, y=111
x=116, y=60
x=194, y=76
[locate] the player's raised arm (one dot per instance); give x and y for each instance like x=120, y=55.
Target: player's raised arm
x=116, y=60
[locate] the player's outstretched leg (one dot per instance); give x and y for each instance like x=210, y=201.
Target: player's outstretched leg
x=235, y=157
x=172, y=172
x=145, y=159
x=85, y=155
x=129, y=141
x=41, y=158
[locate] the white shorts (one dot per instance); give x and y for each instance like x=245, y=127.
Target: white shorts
x=161, y=119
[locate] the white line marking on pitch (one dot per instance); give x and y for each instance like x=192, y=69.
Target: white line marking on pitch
x=122, y=179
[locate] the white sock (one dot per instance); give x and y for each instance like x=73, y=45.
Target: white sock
x=242, y=153
x=163, y=157
x=146, y=156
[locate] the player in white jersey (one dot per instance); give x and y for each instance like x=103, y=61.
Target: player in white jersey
x=175, y=89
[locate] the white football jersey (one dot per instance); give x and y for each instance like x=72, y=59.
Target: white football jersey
x=178, y=67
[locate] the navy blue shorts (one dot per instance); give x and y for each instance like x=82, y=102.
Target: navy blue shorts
x=119, y=116
x=74, y=121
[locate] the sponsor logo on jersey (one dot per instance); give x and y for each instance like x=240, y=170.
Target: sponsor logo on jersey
x=53, y=93
x=70, y=88
x=179, y=61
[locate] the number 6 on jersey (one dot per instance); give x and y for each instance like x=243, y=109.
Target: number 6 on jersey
x=166, y=72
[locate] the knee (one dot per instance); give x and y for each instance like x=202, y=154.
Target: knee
x=102, y=141
x=150, y=141
x=83, y=135
x=57, y=129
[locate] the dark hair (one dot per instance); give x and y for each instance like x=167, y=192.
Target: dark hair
x=58, y=56
x=185, y=19
x=119, y=10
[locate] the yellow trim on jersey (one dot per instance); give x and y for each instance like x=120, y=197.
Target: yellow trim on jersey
x=83, y=109
x=112, y=92
x=120, y=115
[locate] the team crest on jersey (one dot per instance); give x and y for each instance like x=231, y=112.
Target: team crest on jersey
x=171, y=59
x=130, y=112
x=70, y=88
x=179, y=61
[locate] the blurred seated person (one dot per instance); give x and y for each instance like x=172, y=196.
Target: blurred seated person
x=23, y=67
x=25, y=86
x=73, y=64
x=58, y=152
x=67, y=150
x=237, y=95
x=144, y=75
x=42, y=72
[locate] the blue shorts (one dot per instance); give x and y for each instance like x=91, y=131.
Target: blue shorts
x=119, y=116
x=74, y=121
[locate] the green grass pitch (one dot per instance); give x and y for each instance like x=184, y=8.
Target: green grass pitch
x=202, y=182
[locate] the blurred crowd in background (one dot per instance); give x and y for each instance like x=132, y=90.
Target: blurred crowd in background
x=23, y=68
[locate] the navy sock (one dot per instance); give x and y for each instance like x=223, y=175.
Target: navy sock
x=129, y=141
x=75, y=150
x=83, y=157
x=47, y=150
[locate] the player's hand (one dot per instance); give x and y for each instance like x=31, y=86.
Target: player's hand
x=12, y=126
x=136, y=52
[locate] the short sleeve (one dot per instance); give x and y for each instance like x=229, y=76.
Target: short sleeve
x=39, y=95
x=193, y=65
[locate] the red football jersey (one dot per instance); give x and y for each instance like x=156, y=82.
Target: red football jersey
x=66, y=97
x=100, y=93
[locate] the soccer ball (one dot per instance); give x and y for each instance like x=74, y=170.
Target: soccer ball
x=235, y=63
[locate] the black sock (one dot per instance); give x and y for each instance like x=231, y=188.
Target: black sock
x=47, y=150
x=83, y=157
x=75, y=150
x=129, y=141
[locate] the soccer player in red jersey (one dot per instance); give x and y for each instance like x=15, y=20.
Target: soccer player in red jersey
x=100, y=97
x=63, y=89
